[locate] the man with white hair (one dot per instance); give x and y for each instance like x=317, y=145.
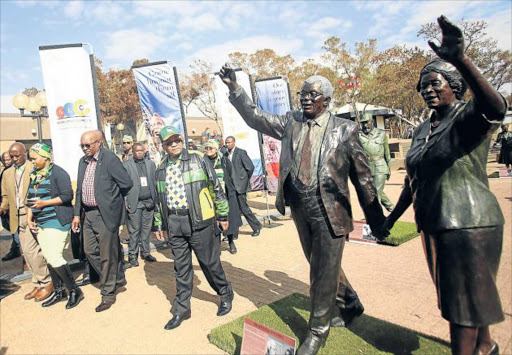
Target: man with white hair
x=319, y=152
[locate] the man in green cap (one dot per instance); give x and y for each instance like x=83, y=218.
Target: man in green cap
x=189, y=213
x=375, y=144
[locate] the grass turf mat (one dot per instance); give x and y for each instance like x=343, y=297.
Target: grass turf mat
x=401, y=233
x=366, y=335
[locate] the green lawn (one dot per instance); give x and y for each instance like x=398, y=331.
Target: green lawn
x=401, y=233
x=366, y=335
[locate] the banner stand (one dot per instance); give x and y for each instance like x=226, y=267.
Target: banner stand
x=273, y=95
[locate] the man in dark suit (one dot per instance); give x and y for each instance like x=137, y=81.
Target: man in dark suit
x=140, y=203
x=319, y=153
x=241, y=175
x=102, y=184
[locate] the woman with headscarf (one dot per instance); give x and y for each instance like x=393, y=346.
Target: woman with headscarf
x=49, y=215
x=459, y=218
x=222, y=167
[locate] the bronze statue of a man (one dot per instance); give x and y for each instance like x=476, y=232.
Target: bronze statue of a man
x=319, y=152
x=375, y=144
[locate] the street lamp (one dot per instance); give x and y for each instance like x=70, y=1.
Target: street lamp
x=36, y=105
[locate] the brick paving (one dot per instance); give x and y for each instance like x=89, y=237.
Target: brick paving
x=393, y=283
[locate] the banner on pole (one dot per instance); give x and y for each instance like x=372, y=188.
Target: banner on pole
x=274, y=97
x=234, y=125
x=68, y=81
x=160, y=102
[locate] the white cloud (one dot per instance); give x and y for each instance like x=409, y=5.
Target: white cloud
x=184, y=45
x=74, y=9
x=166, y=8
x=500, y=29
x=217, y=55
x=128, y=45
x=6, y=105
x=110, y=12
x=203, y=22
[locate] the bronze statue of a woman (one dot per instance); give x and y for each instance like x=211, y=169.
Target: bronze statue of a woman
x=459, y=218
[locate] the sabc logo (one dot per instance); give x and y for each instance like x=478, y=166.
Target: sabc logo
x=72, y=109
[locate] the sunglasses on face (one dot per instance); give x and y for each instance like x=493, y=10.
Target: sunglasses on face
x=170, y=142
x=209, y=148
x=127, y=142
x=311, y=94
x=88, y=145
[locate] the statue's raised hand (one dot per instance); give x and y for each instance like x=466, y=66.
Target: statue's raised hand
x=452, y=43
x=228, y=76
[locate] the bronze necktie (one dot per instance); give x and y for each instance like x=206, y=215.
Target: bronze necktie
x=305, y=159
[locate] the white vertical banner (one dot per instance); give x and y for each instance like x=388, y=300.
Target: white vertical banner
x=234, y=125
x=68, y=81
x=274, y=97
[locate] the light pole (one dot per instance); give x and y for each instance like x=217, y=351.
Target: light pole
x=36, y=105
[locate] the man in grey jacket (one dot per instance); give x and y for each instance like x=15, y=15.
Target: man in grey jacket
x=319, y=153
x=140, y=203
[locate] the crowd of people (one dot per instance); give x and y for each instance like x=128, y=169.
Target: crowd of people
x=191, y=198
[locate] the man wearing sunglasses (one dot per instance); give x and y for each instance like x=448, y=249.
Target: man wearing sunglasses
x=127, y=148
x=189, y=212
x=319, y=152
x=102, y=184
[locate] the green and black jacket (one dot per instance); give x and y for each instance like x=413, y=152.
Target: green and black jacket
x=198, y=175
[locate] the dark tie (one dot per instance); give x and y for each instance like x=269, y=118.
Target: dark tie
x=305, y=160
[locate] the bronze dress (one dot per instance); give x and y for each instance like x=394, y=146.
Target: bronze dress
x=459, y=218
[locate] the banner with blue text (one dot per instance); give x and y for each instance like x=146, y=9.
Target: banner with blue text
x=273, y=96
x=160, y=102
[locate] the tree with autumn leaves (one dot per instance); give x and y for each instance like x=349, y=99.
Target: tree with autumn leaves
x=359, y=72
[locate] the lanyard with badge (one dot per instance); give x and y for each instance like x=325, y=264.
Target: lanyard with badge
x=143, y=177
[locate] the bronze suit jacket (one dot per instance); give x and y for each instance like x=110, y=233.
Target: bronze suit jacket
x=341, y=157
x=9, y=194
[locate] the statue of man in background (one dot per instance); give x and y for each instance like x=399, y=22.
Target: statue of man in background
x=375, y=144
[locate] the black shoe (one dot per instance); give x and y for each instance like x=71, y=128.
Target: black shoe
x=86, y=280
x=12, y=254
x=256, y=233
x=311, y=345
x=348, y=315
x=225, y=239
x=104, y=305
x=56, y=297
x=75, y=296
x=232, y=248
x=133, y=262
x=149, y=258
x=224, y=308
x=176, y=320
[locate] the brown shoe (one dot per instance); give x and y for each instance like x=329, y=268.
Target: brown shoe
x=43, y=293
x=32, y=293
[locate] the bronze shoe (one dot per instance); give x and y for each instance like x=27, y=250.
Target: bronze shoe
x=32, y=293
x=43, y=293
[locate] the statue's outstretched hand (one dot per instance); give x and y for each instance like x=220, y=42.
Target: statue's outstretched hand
x=452, y=43
x=228, y=76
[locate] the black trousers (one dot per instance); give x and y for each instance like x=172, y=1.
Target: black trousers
x=206, y=247
x=140, y=222
x=330, y=291
x=103, y=250
x=246, y=211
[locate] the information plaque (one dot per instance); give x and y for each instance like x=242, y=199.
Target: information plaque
x=261, y=340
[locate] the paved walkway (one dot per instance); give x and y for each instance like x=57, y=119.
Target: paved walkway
x=393, y=283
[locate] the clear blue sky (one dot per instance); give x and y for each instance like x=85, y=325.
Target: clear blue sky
x=122, y=31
